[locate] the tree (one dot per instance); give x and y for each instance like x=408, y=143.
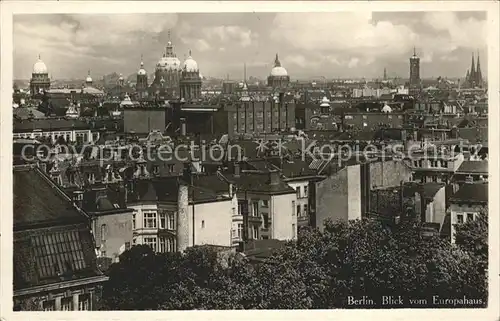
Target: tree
x=318, y=271
x=472, y=237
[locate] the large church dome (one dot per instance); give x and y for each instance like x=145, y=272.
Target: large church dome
x=278, y=70
x=39, y=67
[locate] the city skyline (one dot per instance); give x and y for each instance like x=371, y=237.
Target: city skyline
x=222, y=43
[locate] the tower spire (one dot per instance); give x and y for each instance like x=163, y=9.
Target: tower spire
x=414, y=51
x=277, y=61
x=244, y=72
x=189, y=52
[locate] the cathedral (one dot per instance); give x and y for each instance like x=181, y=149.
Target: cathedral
x=278, y=79
x=40, y=80
x=172, y=79
x=474, y=77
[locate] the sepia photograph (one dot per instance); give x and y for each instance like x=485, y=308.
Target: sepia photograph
x=274, y=160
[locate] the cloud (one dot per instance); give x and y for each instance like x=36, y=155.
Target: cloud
x=230, y=34
x=343, y=35
x=78, y=42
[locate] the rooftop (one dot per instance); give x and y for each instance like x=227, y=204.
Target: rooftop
x=473, y=193
x=37, y=201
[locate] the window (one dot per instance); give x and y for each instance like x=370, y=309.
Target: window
x=306, y=191
x=156, y=169
x=84, y=302
x=255, y=232
x=305, y=210
x=298, y=210
x=265, y=219
x=297, y=191
x=171, y=220
x=265, y=203
x=149, y=219
x=67, y=304
x=151, y=242
x=240, y=231
x=470, y=216
x=233, y=233
x=203, y=224
x=163, y=220
x=255, y=208
x=49, y=305
x=104, y=232
x=294, y=231
x=293, y=207
x=234, y=210
x=460, y=218
x=133, y=221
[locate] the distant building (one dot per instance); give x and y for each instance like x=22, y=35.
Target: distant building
x=415, y=85
x=474, y=77
x=466, y=204
x=142, y=82
x=278, y=79
x=40, y=80
x=190, y=82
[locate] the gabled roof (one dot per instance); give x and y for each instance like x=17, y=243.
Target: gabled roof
x=38, y=201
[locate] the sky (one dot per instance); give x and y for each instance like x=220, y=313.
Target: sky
x=310, y=45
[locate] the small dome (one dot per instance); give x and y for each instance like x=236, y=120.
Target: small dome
x=39, y=67
x=88, y=79
x=121, y=77
x=325, y=102
x=142, y=71
x=386, y=109
x=190, y=65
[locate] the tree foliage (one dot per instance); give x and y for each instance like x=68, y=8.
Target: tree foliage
x=318, y=271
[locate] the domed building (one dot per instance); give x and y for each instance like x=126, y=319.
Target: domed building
x=88, y=80
x=190, y=83
x=278, y=77
x=142, y=82
x=40, y=80
x=168, y=68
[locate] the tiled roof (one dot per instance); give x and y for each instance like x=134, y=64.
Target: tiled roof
x=479, y=167
x=51, y=255
x=471, y=193
x=37, y=201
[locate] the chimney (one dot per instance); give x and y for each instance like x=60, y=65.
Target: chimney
x=237, y=169
x=78, y=198
x=274, y=177
x=182, y=216
x=183, y=126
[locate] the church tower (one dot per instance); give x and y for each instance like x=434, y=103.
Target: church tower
x=40, y=80
x=142, y=81
x=190, y=83
x=479, y=75
x=414, y=85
